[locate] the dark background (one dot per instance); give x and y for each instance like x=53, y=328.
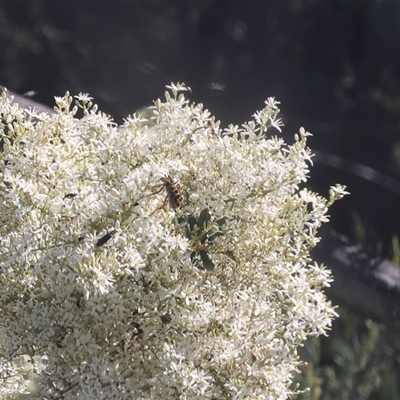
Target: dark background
x=333, y=65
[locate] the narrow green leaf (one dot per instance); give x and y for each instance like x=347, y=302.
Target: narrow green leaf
x=206, y=259
x=204, y=217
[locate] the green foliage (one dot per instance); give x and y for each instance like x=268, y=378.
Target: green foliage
x=360, y=359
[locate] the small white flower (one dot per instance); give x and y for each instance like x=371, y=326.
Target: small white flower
x=83, y=97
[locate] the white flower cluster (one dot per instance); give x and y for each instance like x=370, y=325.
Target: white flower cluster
x=161, y=259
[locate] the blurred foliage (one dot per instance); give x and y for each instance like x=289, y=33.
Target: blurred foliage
x=396, y=250
x=360, y=360
x=364, y=232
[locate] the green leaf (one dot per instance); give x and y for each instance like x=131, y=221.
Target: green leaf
x=220, y=222
x=214, y=235
x=206, y=259
x=202, y=260
x=204, y=217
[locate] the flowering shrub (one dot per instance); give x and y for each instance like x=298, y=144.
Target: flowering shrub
x=161, y=259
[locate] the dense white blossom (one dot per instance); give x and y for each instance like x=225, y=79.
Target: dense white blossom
x=109, y=292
